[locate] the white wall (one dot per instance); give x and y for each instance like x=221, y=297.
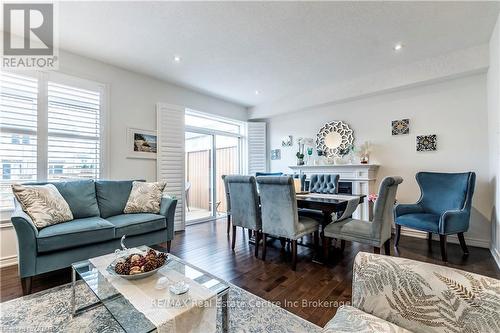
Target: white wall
x=494, y=138
x=131, y=100
x=455, y=110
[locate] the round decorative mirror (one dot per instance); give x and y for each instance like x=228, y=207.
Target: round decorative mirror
x=334, y=138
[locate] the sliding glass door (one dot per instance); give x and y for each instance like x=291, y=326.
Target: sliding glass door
x=210, y=153
x=199, y=165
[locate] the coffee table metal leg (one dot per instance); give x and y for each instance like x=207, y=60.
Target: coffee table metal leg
x=225, y=317
x=73, y=283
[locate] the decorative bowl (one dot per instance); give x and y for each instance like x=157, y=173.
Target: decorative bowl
x=138, y=276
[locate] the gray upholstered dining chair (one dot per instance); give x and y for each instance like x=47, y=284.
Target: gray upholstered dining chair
x=228, y=203
x=245, y=210
x=279, y=213
x=375, y=233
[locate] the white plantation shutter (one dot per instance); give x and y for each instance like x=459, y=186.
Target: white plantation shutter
x=257, y=161
x=50, y=129
x=73, y=132
x=170, y=157
x=18, y=133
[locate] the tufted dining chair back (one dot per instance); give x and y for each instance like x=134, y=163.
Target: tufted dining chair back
x=324, y=183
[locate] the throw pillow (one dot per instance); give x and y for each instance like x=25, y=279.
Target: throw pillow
x=43, y=203
x=145, y=197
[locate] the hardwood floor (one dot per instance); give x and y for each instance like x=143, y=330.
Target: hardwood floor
x=208, y=246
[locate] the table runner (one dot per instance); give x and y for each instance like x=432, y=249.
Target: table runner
x=194, y=311
x=352, y=203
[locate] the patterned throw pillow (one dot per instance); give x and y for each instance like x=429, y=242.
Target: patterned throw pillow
x=145, y=197
x=43, y=203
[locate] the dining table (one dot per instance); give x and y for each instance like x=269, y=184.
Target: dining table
x=328, y=204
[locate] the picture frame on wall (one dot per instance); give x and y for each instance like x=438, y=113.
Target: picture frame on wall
x=141, y=143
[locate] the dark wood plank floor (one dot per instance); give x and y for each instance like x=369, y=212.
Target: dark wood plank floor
x=313, y=291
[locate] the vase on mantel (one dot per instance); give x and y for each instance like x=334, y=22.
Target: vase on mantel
x=300, y=161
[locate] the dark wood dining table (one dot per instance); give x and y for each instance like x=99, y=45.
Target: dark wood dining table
x=327, y=206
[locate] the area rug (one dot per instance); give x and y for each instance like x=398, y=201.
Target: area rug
x=49, y=311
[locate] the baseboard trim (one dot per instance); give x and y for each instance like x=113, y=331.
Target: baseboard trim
x=484, y=243
x=8, y=261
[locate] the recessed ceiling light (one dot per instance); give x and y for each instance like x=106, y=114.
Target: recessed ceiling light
x=257, y=92
x=398, y=47
x=177, y=59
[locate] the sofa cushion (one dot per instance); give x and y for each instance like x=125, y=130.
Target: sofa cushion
x=80, y=196
x=75, y=233
x=136, y=224
x=43, y=203
x=349, y=319
x=420, y=221
x=145, y=198
x=112, y=196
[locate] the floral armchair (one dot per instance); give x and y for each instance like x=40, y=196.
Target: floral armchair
x=400, y=295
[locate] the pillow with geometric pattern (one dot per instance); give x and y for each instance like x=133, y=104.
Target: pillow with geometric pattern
x=145, y=197
x=43, y=203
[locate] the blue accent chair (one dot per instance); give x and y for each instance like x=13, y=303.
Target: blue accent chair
x=443, y=208
x=260, y=174
x=97, y=227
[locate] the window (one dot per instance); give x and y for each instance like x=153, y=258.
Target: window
x=74, y=127
x=59, y=138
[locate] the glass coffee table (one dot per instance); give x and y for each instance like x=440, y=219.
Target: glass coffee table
x=125, y=314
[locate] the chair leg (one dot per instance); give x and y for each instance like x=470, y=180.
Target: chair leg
x=169, y=245
x=387, y=247
x=228, y=223
x=257, y=240
x=283, y=243
x=264, y=246
x=376, y=250
x=234, y=238
x=294, y=255
x=442, y=242
x=316, y=241
x=461, y=239
x=398, y=235
x=249, y=233
x=326, y=247
x=26, y=285
x=429, y=239
x=342, y=246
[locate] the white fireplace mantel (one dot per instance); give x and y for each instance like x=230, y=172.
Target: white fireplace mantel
x=362, y=177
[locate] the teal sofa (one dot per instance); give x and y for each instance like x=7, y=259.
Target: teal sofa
x=98, y=225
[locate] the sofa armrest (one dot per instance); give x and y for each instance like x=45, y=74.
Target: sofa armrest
x=27, y=234
x=454, y=221
x=402, y=209
x=420, y=297
x=167, y=209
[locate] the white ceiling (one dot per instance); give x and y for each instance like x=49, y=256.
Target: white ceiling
x=231, y=49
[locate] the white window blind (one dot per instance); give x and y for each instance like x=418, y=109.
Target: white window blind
x=257, y=161
x=73, y=132
x=50, y=129
x=18, y=129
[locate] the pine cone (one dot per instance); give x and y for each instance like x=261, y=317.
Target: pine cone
x=150, y=265
x=161, y=258
x=122, y=268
